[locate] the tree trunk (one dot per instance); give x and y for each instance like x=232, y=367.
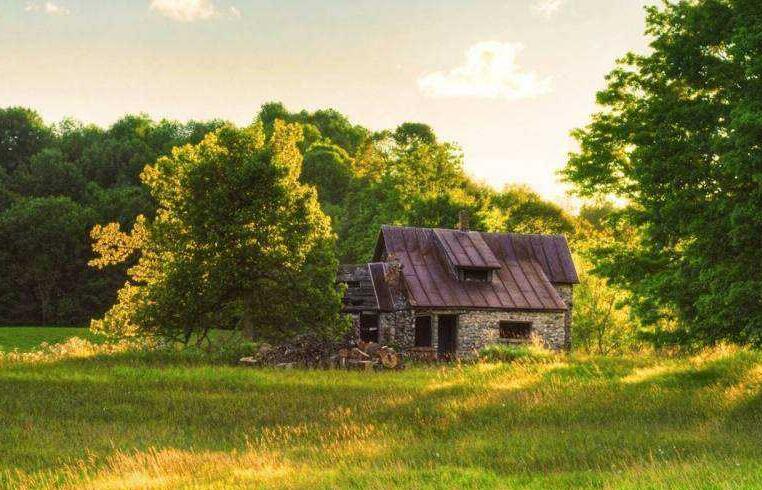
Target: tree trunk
x=247, y=322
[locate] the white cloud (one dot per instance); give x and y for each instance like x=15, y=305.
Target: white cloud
x=547, y=8
x=185, y=10
x=49, y=8
x=490, y=71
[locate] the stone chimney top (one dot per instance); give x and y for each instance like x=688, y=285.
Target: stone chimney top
x=463, y=221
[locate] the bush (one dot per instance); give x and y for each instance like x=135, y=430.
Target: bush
x=512, y=353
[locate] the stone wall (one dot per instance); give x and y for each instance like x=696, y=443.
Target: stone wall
x=397, y=329
x=566, y=291
x=476, y=329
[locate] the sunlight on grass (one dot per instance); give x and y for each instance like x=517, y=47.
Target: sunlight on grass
x=641, y=375
x=166, y=419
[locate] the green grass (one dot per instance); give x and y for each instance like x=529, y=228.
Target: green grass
x=168, y=420
x=26, y=339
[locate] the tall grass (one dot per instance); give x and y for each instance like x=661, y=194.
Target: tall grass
x=167, y=420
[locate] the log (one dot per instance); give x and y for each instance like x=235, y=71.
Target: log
x=371, y=348
x=360, y=365
x=358, y=355
x=389, y=358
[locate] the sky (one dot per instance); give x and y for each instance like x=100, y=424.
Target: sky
x=506, y=80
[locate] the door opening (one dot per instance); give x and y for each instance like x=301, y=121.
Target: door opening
x=369, y=328
x=447, y=335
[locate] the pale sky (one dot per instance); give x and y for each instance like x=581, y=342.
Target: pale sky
x=506, y=80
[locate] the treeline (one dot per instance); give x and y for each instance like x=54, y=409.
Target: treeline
x=58, y=181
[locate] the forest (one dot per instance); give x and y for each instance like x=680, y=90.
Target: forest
x=667, y=237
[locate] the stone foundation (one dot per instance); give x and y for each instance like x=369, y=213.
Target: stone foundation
x=476, y=329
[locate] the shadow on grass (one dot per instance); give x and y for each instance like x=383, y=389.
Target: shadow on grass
x=580, y=415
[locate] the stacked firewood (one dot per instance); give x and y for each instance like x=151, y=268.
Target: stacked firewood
x=368, y=356
x=313, y=353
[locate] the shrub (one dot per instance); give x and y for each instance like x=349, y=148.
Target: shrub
x=511, y=353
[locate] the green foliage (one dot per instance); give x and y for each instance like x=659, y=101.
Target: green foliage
x=363, y=180
x=48, y=174
x=22, y=134
x=329, y=168
x=236, y=237
x=678, y=140
x=519, y=210
x=91, y=172
x=330, y=123
x=515, y=353
x=43, y=259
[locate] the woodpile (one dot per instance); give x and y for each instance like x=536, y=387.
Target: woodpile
x=311, y=352
x=368, y=356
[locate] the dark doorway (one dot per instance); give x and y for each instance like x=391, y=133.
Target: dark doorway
x=369, y=328
x=447, y=334
x=423, y=331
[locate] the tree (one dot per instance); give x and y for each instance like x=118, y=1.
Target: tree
x=678, y=139
x=44, y=261
x=329, y=168
x=409, y=132
x=236, y=237
x=22, y=134
x=49, y=174
x=6, y=195
x=518, y=209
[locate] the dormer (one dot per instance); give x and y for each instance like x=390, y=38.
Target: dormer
x=466, y=255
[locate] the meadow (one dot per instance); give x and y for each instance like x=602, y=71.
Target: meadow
x=179, y=420
x=26, y=339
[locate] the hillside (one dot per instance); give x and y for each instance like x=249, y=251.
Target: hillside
x=169, y=420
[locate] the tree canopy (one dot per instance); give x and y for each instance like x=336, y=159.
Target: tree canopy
x=678, y=140
x=363, y=179
x=236, y=237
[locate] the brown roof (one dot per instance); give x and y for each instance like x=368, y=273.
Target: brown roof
x=466, y=249
x=528, y=265
x=367, y=288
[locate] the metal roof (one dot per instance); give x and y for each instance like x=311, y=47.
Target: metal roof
x=466, y=249
x=528, y=265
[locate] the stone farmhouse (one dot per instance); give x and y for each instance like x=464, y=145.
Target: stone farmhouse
x=437, y=293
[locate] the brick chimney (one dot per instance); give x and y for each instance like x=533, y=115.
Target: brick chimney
x=463, y=221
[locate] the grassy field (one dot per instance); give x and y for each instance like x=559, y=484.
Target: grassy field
x=169, y=420
x=26, y=339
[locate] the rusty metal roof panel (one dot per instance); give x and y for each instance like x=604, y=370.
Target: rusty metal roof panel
x=526, y=268
x=466, y=249
x=550, y=251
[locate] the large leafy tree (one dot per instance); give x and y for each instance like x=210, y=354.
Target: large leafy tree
x=679, y=140
x=236, y=237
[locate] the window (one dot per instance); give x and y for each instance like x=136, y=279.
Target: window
x=423, y=331
x=515, y=331
x=476, y=275
x=369, y=328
